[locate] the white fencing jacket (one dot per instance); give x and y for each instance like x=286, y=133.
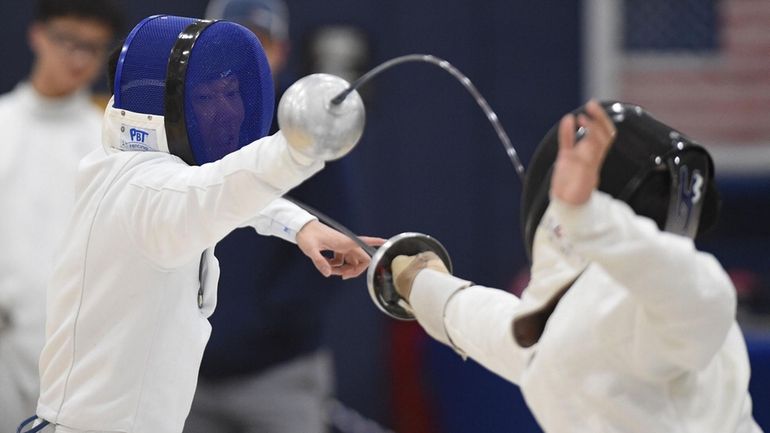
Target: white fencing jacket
x=43, y=139
x=136, y=279
x=645, y=339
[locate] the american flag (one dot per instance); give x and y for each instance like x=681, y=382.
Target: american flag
x=703, y=66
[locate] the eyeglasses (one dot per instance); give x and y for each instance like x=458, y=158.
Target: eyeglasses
x=72, y=44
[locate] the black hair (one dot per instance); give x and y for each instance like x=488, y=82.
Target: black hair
x=104, y=11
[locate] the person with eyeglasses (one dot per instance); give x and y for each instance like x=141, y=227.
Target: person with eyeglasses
x=48, y=124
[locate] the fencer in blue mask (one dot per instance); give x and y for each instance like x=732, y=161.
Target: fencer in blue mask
x=185, y=161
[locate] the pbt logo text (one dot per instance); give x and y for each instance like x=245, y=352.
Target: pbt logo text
x=138, y=135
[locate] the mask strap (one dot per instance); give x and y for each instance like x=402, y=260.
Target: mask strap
x=176, y=72
x=689, y=177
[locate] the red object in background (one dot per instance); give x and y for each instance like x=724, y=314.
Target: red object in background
x=413, y=410
x=519, y=282
x=745, y=281
x=752, y=289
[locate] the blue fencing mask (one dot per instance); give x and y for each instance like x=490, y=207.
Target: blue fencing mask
x=197, y=89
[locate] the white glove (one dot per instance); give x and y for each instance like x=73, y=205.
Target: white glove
x=405, y=269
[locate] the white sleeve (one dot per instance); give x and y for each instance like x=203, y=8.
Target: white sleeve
x=281, y=218
x=476, y=321
x=688, y=300
x=176, y=211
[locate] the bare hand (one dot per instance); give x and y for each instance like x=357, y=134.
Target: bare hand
x=404, y=270
x=349, y=259
x=577, y=166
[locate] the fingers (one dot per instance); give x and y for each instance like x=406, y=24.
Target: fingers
x=567, y=133
x=601, y=129
x=404, y=269
x=577, y=167
x=426, y=259
x=350, y=269
x=349, y=264
x=372, y=241
x=399, y=263
x=321, y=263
x=437, y=265
x=339, y=242
x=349, y=260
x=337, y=260
x=596, y=136
x=358, y=261
x=599, y=115
x=358, y=255
x=428, y=255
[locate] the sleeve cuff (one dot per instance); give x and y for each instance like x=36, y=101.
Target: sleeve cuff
x=282, y=219
x=580, y=218
x=431, y=292
x=289, y=230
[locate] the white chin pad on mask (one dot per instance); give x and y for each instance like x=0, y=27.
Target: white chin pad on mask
x=124, y=130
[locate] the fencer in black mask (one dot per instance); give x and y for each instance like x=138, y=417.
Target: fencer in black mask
x=624, y=325
x=655, y=169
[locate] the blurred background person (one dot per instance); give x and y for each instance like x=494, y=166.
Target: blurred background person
x=268, y=19
x=48, y=123
x=265, y=368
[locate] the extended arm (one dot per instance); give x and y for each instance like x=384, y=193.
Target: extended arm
x=688, y=300
x=286, y=220
x=474, y=320
x=177, y=211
